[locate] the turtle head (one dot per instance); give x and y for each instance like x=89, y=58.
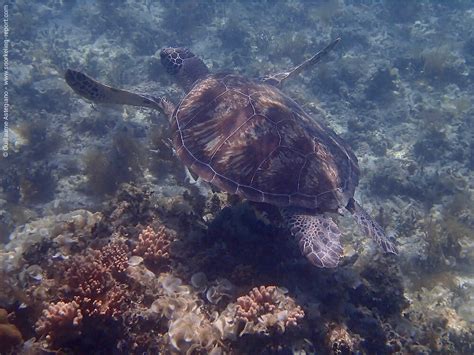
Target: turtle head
x=182, y=63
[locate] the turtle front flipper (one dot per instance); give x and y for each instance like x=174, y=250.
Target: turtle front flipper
x=370, y=227
x=278, y=78
x=98, y=92
x=317, y=235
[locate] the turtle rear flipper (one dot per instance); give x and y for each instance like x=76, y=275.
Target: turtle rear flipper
x=95, y=91
x=278, y=78
x=370, y=227
x=318, y=237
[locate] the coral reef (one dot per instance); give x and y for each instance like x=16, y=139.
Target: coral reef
x=98, y=286
x=339, y=340
x=114, y=256
x=61, y=320
x=189, y=328
x=154, y=246
x=91, y=284
x=266, y=309
x=10, y=336
x=94, y=291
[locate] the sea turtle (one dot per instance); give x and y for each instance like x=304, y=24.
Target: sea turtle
x=248, y=138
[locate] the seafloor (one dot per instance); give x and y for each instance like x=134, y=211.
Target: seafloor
x=108, y=246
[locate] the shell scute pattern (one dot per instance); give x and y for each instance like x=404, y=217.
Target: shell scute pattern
x=249, y=138
x=239, y=150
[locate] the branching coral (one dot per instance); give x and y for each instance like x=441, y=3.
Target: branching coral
x=266, y=309
x=154, y=246
x=111, y=305
x=114, y=256
x=60, y=321
x=91, y=291
x=91, y=282
x=87, y=277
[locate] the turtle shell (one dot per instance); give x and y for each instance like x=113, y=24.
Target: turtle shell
x=249, y=138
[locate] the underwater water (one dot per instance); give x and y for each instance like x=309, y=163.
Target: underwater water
x=109, y=245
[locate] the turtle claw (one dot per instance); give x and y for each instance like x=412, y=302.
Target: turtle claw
x=318, y=237
x=371, y=228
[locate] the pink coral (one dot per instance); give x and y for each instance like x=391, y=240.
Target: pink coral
x=91, y=282
x=93, y=291
x=59, y=321
x=111, y=305
x=267, y=307
x=114, y=256
x=259, y=301
x=87, y=276
x=154, y=246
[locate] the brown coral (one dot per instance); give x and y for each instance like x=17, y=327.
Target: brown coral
x=111, y=305
x=258, y=302
x=95, y=289
x=114, y=256
x=87, y=276
x=339, y=340
x=267, y=308
x=10, y=336
x=60, y=321
x=91, y=282
x=154, y=246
